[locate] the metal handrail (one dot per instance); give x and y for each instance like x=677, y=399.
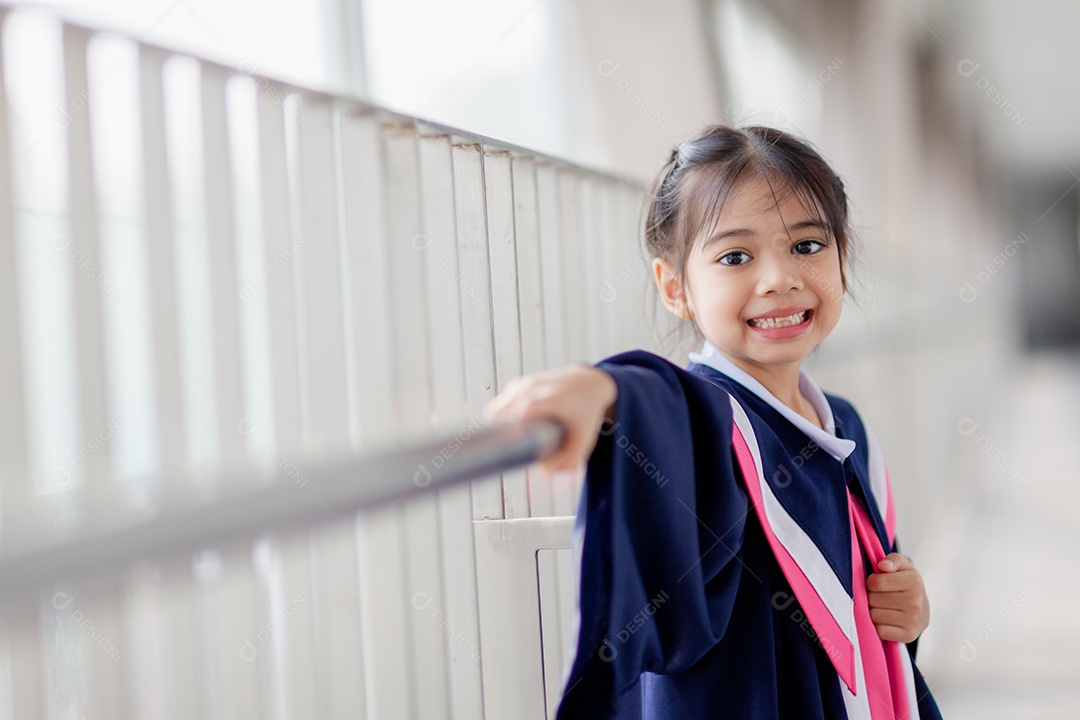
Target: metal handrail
x=334, y=487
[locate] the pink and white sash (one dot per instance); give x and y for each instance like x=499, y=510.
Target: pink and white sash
x=877, y=677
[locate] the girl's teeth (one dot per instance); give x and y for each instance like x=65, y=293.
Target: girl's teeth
x=780, y=321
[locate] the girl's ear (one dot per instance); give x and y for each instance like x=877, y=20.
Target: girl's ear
x=671, y=289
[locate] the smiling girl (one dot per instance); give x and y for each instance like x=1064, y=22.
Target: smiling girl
x=736, y=529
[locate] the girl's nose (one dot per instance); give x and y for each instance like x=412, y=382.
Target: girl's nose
x=779, y=273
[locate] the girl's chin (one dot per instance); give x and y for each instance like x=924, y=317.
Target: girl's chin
x=772, y=352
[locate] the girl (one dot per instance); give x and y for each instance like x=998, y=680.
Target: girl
x=738, y=556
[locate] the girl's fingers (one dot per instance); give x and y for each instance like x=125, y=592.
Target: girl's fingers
x=896, y=634
x=490, y=408
x=907, y=580
x=901, y=609
x=494, y=407
x=888, y=616
x=575, y=396
x=894, y=562
x=894, y=600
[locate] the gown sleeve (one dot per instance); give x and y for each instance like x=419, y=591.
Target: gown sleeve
x=659, y=525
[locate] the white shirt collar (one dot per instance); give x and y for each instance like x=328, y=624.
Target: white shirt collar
x=839, y=448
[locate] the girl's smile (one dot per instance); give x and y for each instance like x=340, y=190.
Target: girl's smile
x=783, y=323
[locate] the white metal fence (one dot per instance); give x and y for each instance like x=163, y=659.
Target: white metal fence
x=211, y=280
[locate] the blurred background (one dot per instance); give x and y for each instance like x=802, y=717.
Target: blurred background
x=953, y=123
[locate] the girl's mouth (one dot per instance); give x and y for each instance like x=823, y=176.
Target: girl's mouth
x=786, y=321
x=780, y=328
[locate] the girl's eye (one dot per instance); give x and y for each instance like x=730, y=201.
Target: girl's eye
x=805, y=247
x=736, y=257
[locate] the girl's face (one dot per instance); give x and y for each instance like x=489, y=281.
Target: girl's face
x=766, y=288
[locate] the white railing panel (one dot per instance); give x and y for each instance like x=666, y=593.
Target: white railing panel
x=276, y=286
x=606, y=268
x=592, y=248
x=527, y=251
x=317, y=277
x=380, y=562
x=437, y=246
x=336, y=603
x=289, y=640
x=509, y=593
x=551, y=262
x=383, y=605
x=259, y=269
x=294, y=642
x=174, y=623
x=534, y=358
x=474, y=269
x=323, y=341
x=89, y=323
x=184, y=620
x=106, y=688
x=367, y=267
x=413, y=328
x=158, y=219
x=24, y=677
x=550, y=564
x=408, y=301
x=222, y=270
x=506, y=325
x=181, y=637
x=634, y=274
x=386, y=585
x=22, y=665
x=162, y=677
x=557, y=567
x=231, y=593
x=573, y=239
x=457, y=568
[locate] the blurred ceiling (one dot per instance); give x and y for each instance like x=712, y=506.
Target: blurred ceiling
x=1015, y=63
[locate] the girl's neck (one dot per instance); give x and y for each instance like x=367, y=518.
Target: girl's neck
x=782, y=380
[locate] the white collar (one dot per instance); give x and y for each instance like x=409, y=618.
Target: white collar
x=839, y=448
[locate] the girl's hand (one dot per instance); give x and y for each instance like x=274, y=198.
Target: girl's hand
x=898, y=603
x=578, y=396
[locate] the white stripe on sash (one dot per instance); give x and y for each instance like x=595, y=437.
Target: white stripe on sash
x=858, y=707
x=909, y=684
x=802, y=549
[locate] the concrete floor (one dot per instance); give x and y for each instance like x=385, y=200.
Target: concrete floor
x=1002, y=564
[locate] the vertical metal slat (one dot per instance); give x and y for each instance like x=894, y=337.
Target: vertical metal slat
x=22, y=681
x=476, y=320
x=232, y=596
x=457, y=557
x=381, y=575
x=573, y=256
x=175, y=588
x=339, y=663
x=506, y=325
x=294, y=664
x=413, y=387
x=534, y=358
x=103, y=602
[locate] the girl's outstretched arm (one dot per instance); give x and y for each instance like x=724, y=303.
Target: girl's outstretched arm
x=578, y=396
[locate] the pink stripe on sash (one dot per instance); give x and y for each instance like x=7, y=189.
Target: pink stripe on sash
x=883, y=664
x=836, y=644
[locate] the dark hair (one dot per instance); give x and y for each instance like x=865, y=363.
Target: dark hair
x=701, y=174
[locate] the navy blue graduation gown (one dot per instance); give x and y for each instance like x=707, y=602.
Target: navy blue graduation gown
x=684, y=610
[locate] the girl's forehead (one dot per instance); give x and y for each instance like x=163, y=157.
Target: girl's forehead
x=757, y=196
x=750, y=202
